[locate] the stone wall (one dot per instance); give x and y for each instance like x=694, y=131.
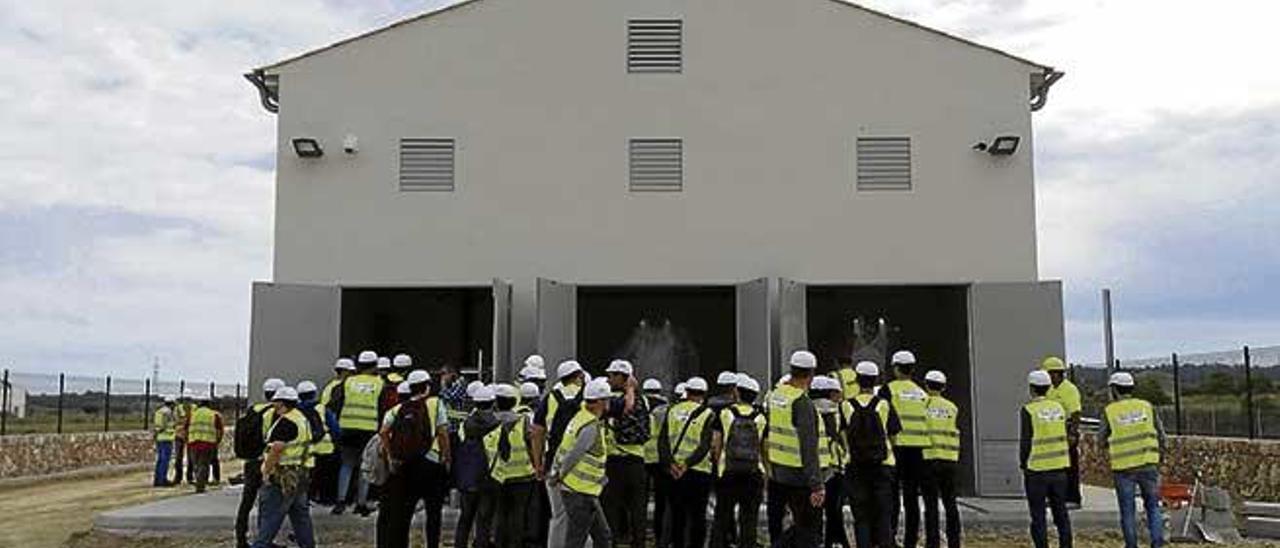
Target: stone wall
x=44, y=454
x=1249, y=469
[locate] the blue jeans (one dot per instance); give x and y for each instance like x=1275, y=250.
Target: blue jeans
x=1146, y=480
x=351, y=457
x=164, y=452
x=273, y=507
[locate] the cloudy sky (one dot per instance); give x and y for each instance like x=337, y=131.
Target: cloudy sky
x=136, y=169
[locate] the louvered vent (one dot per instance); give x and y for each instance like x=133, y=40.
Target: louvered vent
x=657, y=165
x=655, y=45
x=884, y=163
x=426, y=164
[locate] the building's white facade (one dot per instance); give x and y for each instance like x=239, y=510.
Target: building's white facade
x=771, y=101
x=16, y=404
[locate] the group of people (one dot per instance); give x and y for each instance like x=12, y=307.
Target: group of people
x=584, y=460
x=187, y=429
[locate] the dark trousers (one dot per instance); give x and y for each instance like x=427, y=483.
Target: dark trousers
x=324, y=478
x=833, y=521
x=433, y=505
x=215, y=466
x=940, y=486
x=478, y=507
x=625, y=499
x=662, y=484
x=399, y=500
x=537, y=517
x=584, y=517
x=1073, y=475
x=873, y=505
x=689, y=510
x=252, y=483
x=775, y=508
x=1050, y=488
x=910, y=468
x=201, y=461
x=738, y=498
x=179, y=458
x=806, y=519
x=513, y=500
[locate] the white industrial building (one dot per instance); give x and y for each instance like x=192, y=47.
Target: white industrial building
x=712, y=183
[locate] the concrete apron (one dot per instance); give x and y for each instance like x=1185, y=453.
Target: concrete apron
x=213, y=513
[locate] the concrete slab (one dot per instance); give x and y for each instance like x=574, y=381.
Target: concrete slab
x=1262, y=509
x=1260, y=527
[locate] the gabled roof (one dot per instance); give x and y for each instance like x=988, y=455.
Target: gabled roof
x=410, y=20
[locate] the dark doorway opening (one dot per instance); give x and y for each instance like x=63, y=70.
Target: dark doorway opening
x=930, y=321
x=436, y=326
x=668, y=333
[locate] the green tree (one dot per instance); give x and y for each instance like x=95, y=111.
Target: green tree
x=1148, y=387
x=1219, y=383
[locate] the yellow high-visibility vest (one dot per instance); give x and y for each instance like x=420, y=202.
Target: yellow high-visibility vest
x=831, y=452
x=1048, y=436
x=726, y=423
x=1066, y=394
x=325, y=445
x=782, y=443
x=683, y=449
x=848, y=382
x=295, y=451
x=518, y=465
x=164, y=424
x=656, y=416
x=360, y=403
x=203, y=426
x=882, y=411
x=1133, y=441
x=587, y=476
x=327, y=392
x=944, y=435
x=909, y=401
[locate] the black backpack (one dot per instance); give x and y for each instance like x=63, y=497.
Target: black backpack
x=867, y=438
x=250, y=442
x=566, y=408
x=411, y=435
x=742, y=453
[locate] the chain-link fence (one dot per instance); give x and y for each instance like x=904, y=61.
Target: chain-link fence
x=39, y=403
x=1229, y=394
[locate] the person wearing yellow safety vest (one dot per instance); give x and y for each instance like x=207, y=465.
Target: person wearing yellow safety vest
x=740, y=481
x=204, y=433
x=870, y=424
x=536, y=512
x=577, y=470
x=941, y=463
x=1134, y=439
x=557, y=408
x=659, y=479
x=411, y=432
x=1066, y=393
x=471, y=474
x=359, y=403
x=791, y=456
x=507, y=449
x=1043, y=455
x=342, y=368
x=626, y=497
x=324, y=484
x=163, y=424
x=684, y=447
x=182, y=412
x=284, y=473
x=908, y=400
x=322, y=439
x=252, y=479
x=827, y=394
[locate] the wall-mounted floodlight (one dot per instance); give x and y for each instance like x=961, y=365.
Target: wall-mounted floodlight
x=1004, y=145
x=306, y=147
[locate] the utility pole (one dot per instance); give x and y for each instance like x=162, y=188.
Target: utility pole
x=1108, y=338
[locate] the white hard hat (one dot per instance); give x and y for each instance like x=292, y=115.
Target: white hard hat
x=535, y=373
x=936, y=376
x=697, y=384
x=402, y=360
x=680, y=389
x=652, y=385
x=745, y=382
x=1121, y=378
x=484, y=393
x=403, y=388
x=384, y=362
x=567, y=368
x=535, y=361
x=505, y=391
x=867, y=369
x=597, y=389
x=903, y=357
x=170, y=398
x=621, y=367
x=1039, y=378
x=473, y=387
x=344, y=364
x=727, y=378
x=284, y=393
x=823, y=382
x=272, y=384
x=529, y=391
x=367, y=357
x=803, y=359
x=306, y=386
x=418, y=376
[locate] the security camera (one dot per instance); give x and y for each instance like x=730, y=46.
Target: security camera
x=350, y=144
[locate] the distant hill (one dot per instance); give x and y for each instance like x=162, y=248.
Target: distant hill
x=1192, y=368
x=1263, y=356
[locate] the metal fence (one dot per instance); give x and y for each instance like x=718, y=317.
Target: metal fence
x=38, y=403
x=1230, y=394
